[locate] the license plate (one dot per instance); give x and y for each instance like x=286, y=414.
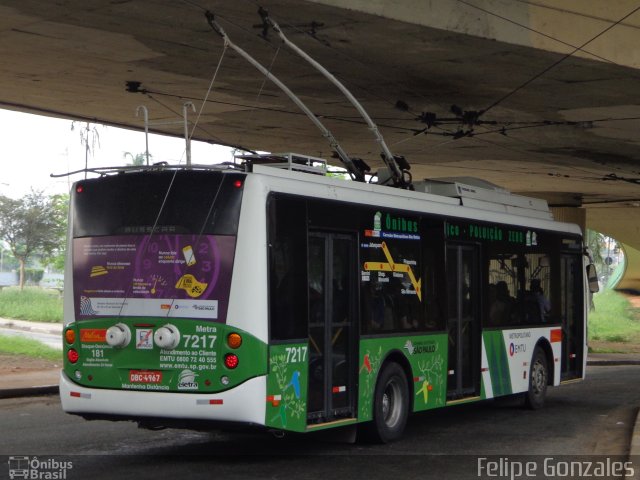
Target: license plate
x=145, y=376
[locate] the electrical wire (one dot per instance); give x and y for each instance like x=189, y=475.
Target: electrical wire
x=264, y=82
x=538, y=32
x=557, y=62
x=150, y=94
x=351, y=59
x=571, y=12
x=470, y=134
x=204, y=100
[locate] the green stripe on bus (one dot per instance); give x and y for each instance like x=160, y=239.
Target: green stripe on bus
x=498, y=363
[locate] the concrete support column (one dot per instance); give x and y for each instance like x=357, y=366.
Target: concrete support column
x=571, y=215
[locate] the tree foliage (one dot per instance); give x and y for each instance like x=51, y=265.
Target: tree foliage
x=138, y=159
x=35, y=224
x=56, y=257
x=596, y=242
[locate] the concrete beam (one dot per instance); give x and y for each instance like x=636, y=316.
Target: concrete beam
x=548, y=25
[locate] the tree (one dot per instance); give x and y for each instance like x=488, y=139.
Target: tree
x=56, y=257
x=31, y=225
x=89, y=139
x=596, y=242
x=137, y=160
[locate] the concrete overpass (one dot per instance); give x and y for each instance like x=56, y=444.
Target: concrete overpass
x=551, y=89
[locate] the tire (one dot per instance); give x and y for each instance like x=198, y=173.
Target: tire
x=390, y=406
x=538, y=380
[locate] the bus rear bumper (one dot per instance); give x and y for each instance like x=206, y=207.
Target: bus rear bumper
x=245, y=403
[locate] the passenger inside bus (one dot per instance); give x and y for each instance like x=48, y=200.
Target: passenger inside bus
x=538, y=305
x=501, y=309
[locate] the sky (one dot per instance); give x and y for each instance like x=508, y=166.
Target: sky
x=33, y=147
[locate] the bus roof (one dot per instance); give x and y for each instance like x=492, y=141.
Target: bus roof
x=499, y=206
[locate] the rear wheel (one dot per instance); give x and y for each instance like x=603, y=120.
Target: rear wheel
x=390, y=405
x=538, y=380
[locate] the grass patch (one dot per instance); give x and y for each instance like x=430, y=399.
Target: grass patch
x=614, y=319
x=32, y=303
x=31, y=348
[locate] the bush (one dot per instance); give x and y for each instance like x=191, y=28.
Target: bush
x=32, y=303
x=33, y=276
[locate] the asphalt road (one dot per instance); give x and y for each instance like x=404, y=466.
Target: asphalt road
x=594, y=417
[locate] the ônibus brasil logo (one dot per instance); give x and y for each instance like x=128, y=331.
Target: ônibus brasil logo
x=34, y=468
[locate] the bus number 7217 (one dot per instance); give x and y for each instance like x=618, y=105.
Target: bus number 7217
x=199, y=341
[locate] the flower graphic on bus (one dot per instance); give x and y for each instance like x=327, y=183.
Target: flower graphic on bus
x=430, y=377
x=368, y=369
x=289, y=400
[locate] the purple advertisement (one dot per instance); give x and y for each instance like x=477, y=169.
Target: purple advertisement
x=185, y=276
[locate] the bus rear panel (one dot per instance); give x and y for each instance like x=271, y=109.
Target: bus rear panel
x=152, y=257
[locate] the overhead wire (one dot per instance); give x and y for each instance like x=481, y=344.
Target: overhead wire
x=494, y=104
x=351, y=59
x=204, y=100
x=538, y=32
x=576, y=49
x=556, y=63
x=549, y=6
x=346, y=119
x=264, y=82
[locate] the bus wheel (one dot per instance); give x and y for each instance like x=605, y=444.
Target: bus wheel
x=538, y=380
x=390, y=405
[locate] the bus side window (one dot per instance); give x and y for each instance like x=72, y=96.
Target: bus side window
x=432, y=290
x=287, y=268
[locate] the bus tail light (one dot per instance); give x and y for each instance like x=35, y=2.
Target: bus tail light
x=70, y=336
x=234, y=340
x=231, y=360
x=72, y=355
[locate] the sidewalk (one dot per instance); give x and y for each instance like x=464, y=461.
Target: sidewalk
x=604, y=359
x=41, y=327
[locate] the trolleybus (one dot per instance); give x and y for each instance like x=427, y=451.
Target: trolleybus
x=274, y=297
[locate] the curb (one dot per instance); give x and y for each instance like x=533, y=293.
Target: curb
x=634, y=450
x=635, y=439
x=29, y=391
x=611, y=363
x=23, y=325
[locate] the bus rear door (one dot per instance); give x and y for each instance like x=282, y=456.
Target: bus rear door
x=463, y=321
x=332, y=327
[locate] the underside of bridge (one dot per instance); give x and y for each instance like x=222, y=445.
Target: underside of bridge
x=541, y=97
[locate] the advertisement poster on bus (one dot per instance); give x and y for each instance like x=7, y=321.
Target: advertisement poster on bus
x=181, y=276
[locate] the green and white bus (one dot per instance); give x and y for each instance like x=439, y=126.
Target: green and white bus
x=203, y=297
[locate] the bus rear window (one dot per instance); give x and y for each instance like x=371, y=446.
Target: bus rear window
x=181, y=202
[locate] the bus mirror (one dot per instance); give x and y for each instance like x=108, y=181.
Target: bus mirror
x=592, y=276
x=544, y=262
